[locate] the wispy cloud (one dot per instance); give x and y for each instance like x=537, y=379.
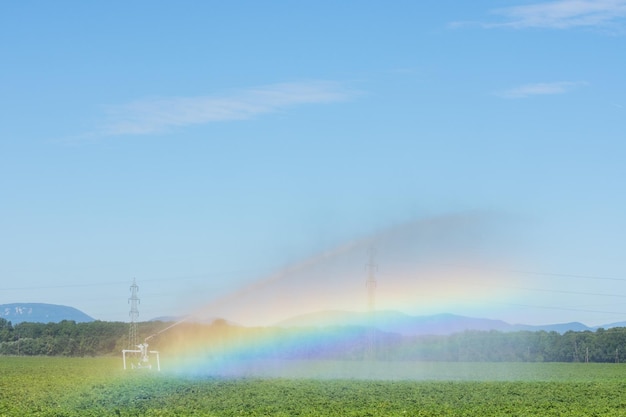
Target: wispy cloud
x=539, y=89
x=562, y=14
x=156, y=115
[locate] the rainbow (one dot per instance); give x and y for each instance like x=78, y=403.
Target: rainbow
x=255, y=335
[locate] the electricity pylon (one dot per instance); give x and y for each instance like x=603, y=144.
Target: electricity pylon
x=134, y=314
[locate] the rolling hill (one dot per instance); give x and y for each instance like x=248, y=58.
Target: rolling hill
x=407, y=325
x=41, y=313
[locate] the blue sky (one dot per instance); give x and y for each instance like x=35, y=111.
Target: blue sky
x=201, y=146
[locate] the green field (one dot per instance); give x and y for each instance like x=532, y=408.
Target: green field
x=43, y=386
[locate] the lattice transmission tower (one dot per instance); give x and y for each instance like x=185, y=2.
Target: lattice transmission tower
x=370, y=350
x=133, y=300
x=371, y=280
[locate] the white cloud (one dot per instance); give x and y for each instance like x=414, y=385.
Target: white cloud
x=562, y=14
x=161, y=114
x=539, y=89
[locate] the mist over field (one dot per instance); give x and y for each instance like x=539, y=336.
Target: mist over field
x=424, y=266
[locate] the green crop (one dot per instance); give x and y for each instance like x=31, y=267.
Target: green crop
x=40, y=386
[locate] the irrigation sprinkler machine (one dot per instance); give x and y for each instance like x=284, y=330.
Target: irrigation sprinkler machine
x=144, y=357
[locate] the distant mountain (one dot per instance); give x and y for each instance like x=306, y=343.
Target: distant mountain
x=188, y=319
x=559, y=328
x=168, y=319
x=41, y=313
x=407, y=325
x=611, y=325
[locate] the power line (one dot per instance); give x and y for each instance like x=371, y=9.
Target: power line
x=111, y=283
x=581, y=310
x=540, y=273
x=203, y=276
x=594, y=294
x=371, y=270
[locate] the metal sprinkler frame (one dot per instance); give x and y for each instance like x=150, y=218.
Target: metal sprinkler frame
x=144, y=359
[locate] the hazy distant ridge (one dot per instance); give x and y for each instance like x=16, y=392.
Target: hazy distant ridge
x=385, y=321
x=407, y=325
x=41, y=313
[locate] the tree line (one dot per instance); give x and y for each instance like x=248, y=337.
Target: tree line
x=521, y=346
x=100, y=338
